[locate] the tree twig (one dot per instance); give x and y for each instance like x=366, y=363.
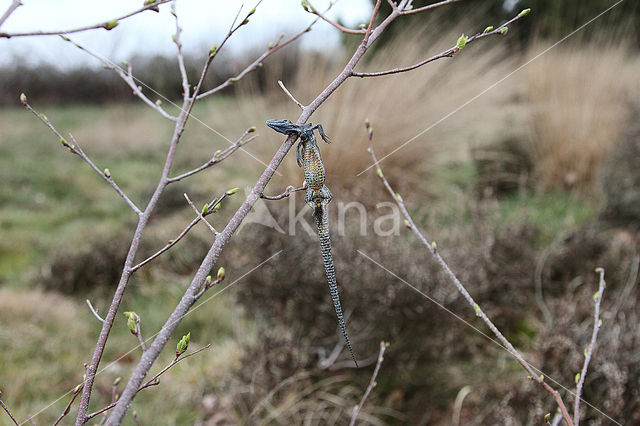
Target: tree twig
x=444, y=54
x=309, y=8
x=108, y=25
x=219, y=155
x=288, y=93
x=286, y=192
x=372, y=384
x=178, y=43
x=151, y=382
x=427, y=7
x=588, y=353
x=200, y=216
x=93, y=311
x=74, y=148
x=12, y=7
x=433, y=249
x=76, y=392
x=6, y=409
x=126, y=76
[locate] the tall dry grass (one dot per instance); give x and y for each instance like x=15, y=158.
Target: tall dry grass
x=579, y=97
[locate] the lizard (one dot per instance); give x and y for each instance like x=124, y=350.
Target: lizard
x=317, y=197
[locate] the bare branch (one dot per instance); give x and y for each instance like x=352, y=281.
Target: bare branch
x=433, y=249
x=284, y=89
x=93, y=311
x=6, y=409
x=219, y=155
x=444, y=54
x=309, y=8
x=286, y=192
x=428, y=7
x=200, y=216
x=12, y=7
x=127, y=76
x=108, y=25
x=184, y=232
x=76, y=392
x=372, y=384
x=74, y=148
x=178, y=43
x=588, y=352
x=152, y=382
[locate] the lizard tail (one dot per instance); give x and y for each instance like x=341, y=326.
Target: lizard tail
x=321, y=217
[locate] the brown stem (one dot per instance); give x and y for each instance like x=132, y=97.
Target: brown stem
x=286, y=193
x=13, y=6
x=372, y=384
x=6, y=409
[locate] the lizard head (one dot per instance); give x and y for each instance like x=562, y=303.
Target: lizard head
x=284, y=126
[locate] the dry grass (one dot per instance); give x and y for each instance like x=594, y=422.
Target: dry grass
x=579, y=100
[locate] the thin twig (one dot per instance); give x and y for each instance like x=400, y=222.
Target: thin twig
x=219, y=155
x=107, y=24
x=178, y=43
x=281, y=84
x=76, y=392
x=184, y=232
x=138, y=334
x=126, y=76
x=309, y=8
x=427, y=7
x=93, y=311
x=151, y=382
x=6, y=409
x=597, y=323
x=12, y=7
x=372, y=384
x=75, y=149
x=432, y=248
x=200, y=216
x=444, y=54
x=286, y=192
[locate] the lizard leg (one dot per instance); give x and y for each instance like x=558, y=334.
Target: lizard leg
x=322, y=134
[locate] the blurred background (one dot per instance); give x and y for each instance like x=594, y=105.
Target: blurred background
x=523, y=166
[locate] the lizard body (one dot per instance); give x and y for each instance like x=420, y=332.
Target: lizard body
x=317, y=197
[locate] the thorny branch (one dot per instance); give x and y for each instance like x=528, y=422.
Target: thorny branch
x=588, y=352
x=433, y=249
x=6, y=409
x=449, y=53
x=74, y=148
x=153, y=381
x=372, y=384
x=108, y=25
x=286, y=192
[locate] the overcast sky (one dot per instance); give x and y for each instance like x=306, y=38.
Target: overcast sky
x=204, y=23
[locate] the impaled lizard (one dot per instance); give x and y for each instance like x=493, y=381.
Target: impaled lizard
x=317, y=197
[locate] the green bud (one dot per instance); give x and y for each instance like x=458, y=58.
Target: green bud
x=260, y=64
x=488, y=29
x=476, y=308
x=547, y=417
x=251, y=129
x=221, y=274
x=205, y=208
x=305, y=5
x=208, y=280
x=110, y=25
x=131, y=323
x=64, y=37
x=217, y=152
x=159, y=102
x=599, y=270
x=217, y=207
x=524, y=13
x=63, y=141
x=107, y=173
x=462, y=41
x=596, y=296
x=233, y=79
x=125, y=63
x=252, y=11
x=270, y=45
x=183, y=344
x=44, y=117
x=213, y=50
x=171, y=241
x=434, y=246
x=148, y=2
x=504, y=30
x=23, y=98
x=379, y=171
x=245, y=22
x=585, y=352
x=77, y=388
x=599, y=323
x=116, y=382
x=399, y=197
x=541, y=378
x=407, y=224
x=232, y=191
x=577, y=378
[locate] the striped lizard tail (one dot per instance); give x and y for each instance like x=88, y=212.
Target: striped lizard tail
x=321, y=217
